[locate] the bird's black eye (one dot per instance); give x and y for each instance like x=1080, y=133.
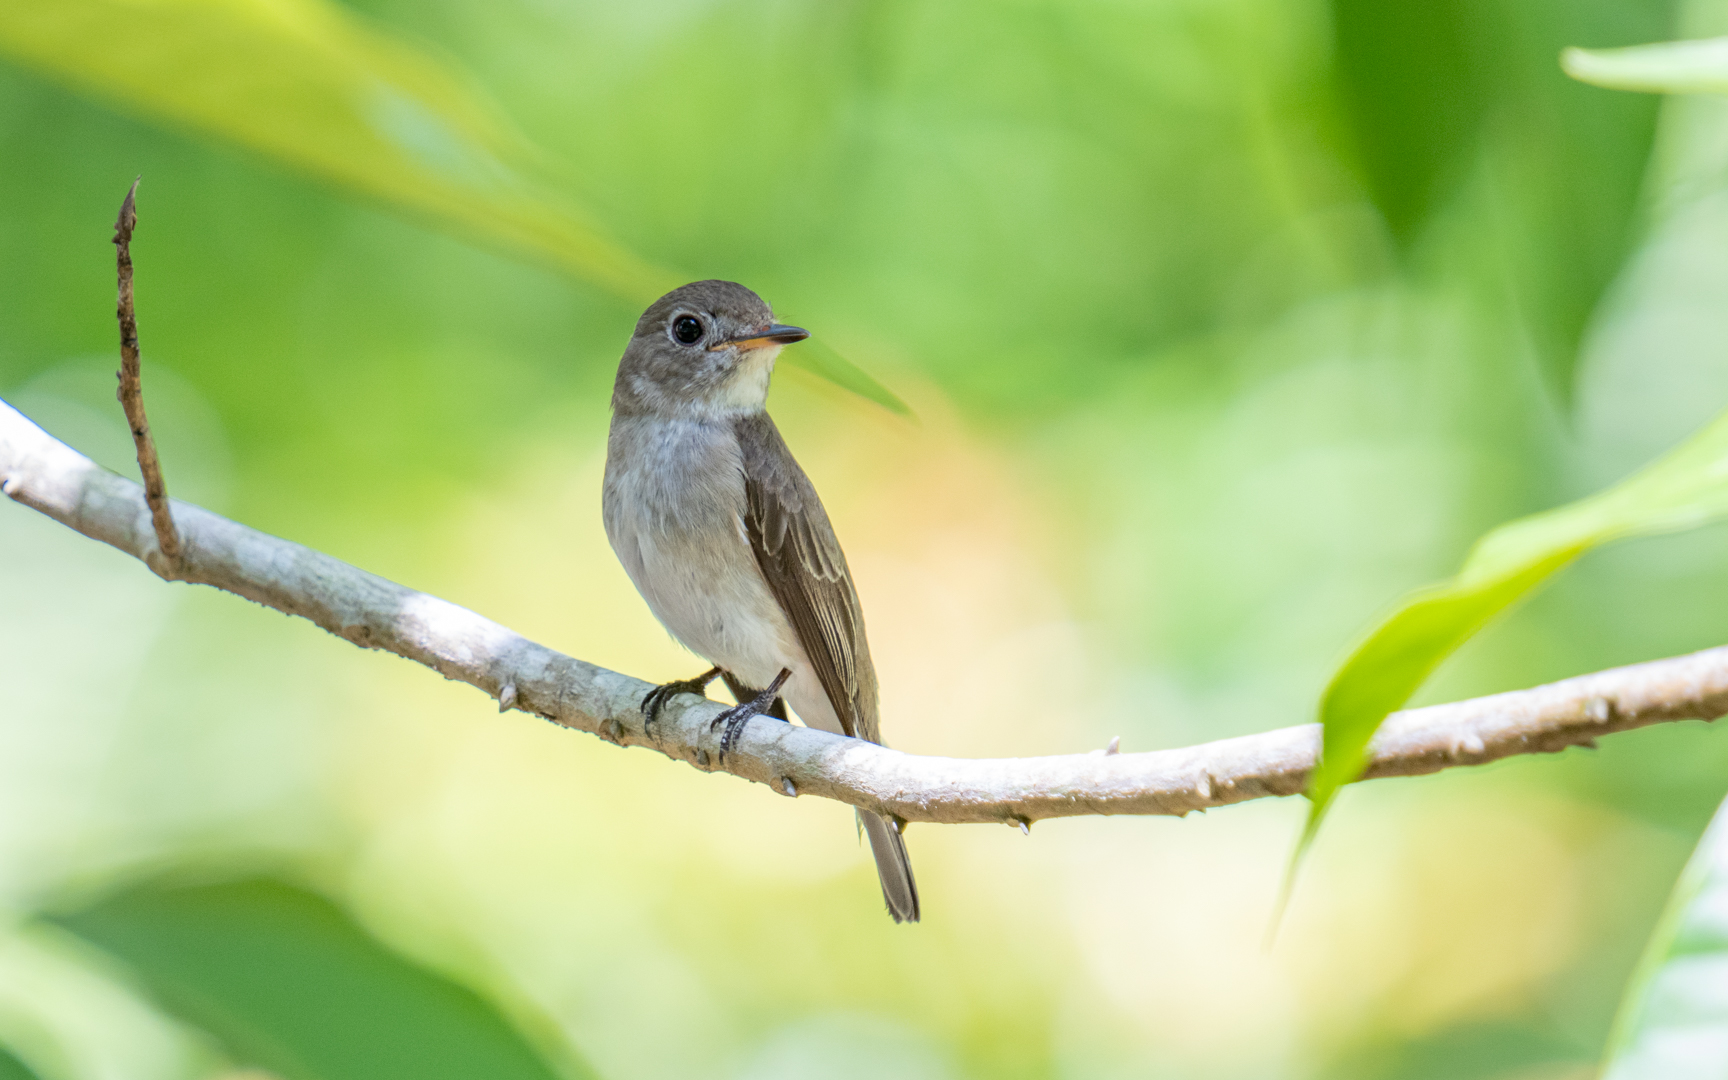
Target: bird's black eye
x=687, y=329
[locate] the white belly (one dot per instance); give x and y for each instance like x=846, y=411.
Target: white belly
x=674, y=500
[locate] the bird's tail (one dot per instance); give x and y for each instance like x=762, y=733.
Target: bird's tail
x=893, y=866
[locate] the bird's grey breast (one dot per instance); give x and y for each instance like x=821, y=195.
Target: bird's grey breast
x=672, y=476
x=673, y=503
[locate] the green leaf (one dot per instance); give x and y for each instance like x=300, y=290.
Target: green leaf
x=820, y=359
x=1453, y=96
x=323, y=90
x=286, y=981
x=1414, y=94
x=1673, y=67
x=314, y=85
x=1684, y=489
x=1673, y=1023
x=13, y=1069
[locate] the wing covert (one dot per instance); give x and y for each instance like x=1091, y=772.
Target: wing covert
x=801, y=560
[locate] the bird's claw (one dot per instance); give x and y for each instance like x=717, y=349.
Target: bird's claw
x=739, y=715
x=734, y=720
x=656, y=699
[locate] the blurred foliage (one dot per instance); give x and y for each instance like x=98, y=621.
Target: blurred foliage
x=286, y=981
x=1215, y=352
x=309, y=82
x=13, y=1069
x=1482, y=1049
x=1686, y=489
x=1449, y=94
x=312, y=84
x=1669, y=67
x=1674, y=1022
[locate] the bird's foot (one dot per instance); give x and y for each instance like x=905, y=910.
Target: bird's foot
x=736, y=717
x=656, y=699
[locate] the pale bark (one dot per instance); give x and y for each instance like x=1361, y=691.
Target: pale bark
x=42, y=473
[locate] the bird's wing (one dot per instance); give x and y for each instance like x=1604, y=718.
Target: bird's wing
x=801, y=559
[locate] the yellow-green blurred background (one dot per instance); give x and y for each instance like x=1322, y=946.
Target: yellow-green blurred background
x=1225, y=322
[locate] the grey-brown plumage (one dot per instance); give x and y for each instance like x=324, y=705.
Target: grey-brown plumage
x=725, y=536
x=800, y=557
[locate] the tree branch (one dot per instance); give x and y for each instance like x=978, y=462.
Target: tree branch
x=42, y=473
x=166, y=560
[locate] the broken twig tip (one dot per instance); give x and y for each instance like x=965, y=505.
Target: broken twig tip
x=128, y=219
x=131, y=396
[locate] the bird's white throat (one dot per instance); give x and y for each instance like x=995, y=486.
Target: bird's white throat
x=747, y=390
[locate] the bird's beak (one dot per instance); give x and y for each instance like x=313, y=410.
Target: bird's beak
x=777, y=334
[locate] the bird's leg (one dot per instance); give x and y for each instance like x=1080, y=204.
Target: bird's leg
x=742, y=693
x=656, y=699
x=738, y=715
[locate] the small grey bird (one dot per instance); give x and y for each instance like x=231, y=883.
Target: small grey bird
x=725, y=538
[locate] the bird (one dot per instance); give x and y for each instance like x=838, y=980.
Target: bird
x=725, y=538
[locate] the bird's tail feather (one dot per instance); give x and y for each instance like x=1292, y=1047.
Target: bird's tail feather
x=893, y=866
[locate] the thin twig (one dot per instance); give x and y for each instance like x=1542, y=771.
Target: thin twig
x=131, y=395
x=369, y=611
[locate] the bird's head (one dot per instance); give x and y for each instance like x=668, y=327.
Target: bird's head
x=703, y=350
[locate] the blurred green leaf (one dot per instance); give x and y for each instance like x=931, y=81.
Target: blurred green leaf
x=1475, y=1048
x=286, y=981
x=1448, y=94
x=1416, y=94
x=1672, y=67
x=1673, y=1022
x=318, y=87
x=13, y=1069
x=820, y=358
x=314, y=85
x=1686, y=488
